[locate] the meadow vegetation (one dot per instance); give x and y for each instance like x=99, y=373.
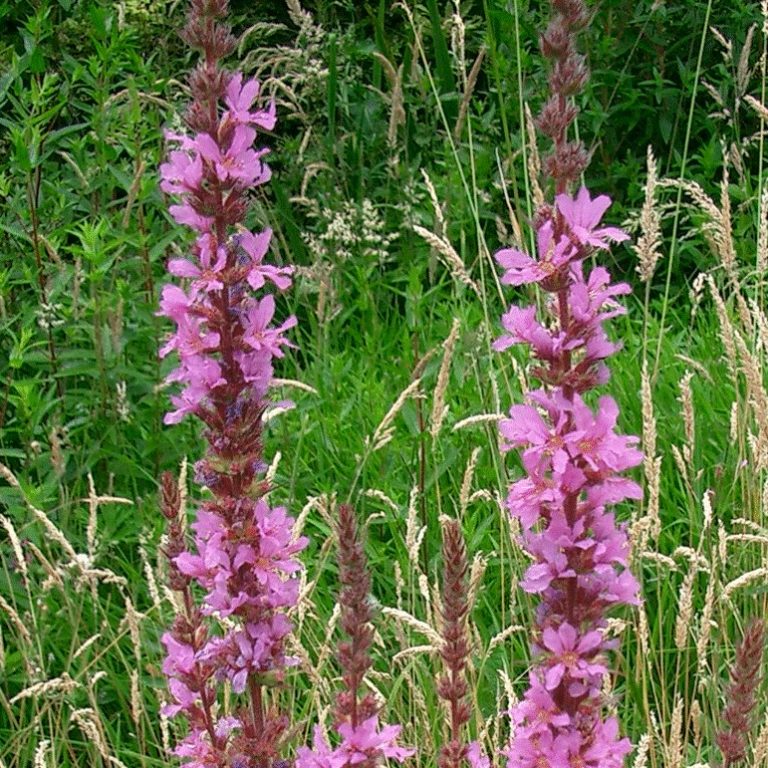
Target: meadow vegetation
x=404, y=157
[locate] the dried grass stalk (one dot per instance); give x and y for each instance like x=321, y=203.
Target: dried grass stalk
x=466, y=482
x=439, y=408
x=385, y=431
x=41, y=754
x=63, y=684
x=21, y=562
x=452, y=259
x=647, y=247
x=685, y=609
x=534, y=160
x=405, y=618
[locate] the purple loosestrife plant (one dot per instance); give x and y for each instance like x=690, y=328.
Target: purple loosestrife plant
x=571, y=453
x=364, y=742
x=452, y=687
x=244, y=552
x=741, y=695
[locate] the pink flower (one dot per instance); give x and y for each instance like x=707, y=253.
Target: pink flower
x=256, y=368
x=542, y=750
x=208, y=275
x=555, y=565
x=186, y=700
x=583, y=214
x=612, y=490
x=259, y=335
x=239, y=98
x=364, y=744
x=197, y=749
x=525, y=427
x=569, y=652
x=186, y=214
x=593, y=438
x=239, y=162
x=192, y=339
x=254, y=247
x=203, y=375
x=587, y=299
x=256, y=647
x=175, y=303
x=183, y=173
x=181, y=657
x=366, y=741
x=522, y=326
x=476, y=757
x=528, y=496
x=539, y=709
x=606, y=749
x=320, y=756
x=553, y=255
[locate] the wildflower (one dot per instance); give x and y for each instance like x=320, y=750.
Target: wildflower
x=244, y=553
x=240, y=98
x=476, y=757
x=452, y=686
x=570, y=655
x=742, y=694
x=572, y=456
x=207, y=275
x=238, y=164
x=254, y=248
x=554, y=254
x=582, y=214
x=364, y=740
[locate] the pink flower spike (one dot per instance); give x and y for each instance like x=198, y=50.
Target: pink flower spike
x=572, y=454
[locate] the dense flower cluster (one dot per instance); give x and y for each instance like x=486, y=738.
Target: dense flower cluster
x=572, y=455
x=573, y=458
x=363, y=741
x=226, y=341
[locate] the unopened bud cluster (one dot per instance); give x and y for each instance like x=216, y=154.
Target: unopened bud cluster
x=567, y=77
